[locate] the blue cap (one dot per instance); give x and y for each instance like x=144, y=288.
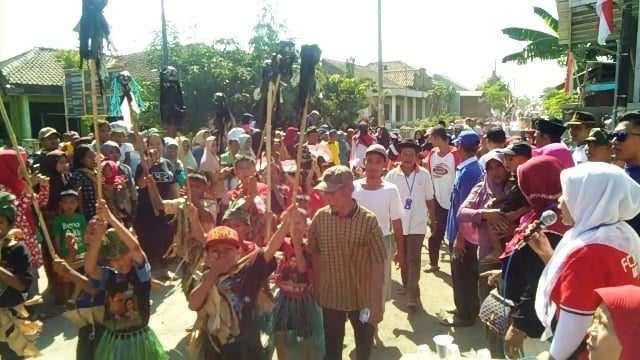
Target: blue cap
x=468, y=138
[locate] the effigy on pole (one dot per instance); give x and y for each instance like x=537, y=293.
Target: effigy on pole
x=309, y=59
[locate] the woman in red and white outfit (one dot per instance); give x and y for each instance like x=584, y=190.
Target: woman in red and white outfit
x=600, y=250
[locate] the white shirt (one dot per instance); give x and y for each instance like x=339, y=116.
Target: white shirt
x=579, y=154
x=417, y=187
x=384, y=202
x=358, y=153
x=443, y=174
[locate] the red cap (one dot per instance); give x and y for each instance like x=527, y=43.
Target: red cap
x=222, y=235
x=623, y=303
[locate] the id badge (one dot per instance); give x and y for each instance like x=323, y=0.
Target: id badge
x=407, y=204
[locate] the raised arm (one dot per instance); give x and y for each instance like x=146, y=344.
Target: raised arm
x=93, y=238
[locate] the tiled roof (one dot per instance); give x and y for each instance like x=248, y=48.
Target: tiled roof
x=405, y=79
x=136, y=64
x=391, y=65
x=36, y=67
x=361, y=72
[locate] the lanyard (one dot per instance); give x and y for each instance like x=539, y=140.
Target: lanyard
x=412, y=182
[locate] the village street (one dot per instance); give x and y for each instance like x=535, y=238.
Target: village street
x=400, y=333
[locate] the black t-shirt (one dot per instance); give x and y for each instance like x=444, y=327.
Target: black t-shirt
x=15, y=259
x=244, y=286
x=163, y=173
x=126, y=305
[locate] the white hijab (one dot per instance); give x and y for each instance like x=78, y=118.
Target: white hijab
x=600, y=198
x=210, y=162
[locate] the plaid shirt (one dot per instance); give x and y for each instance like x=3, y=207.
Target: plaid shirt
x=345, y=249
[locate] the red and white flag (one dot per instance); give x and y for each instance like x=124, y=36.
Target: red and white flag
x=604, y=9
x=568, y=80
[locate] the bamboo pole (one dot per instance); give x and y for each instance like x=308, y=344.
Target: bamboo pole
x=24, y=170
x=143, y=158
x=301, y=136
x=267, y=139
x=96, y=127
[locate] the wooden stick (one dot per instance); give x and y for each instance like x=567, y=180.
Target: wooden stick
x=142, y=148
x=301, y=136
x=24, y=170
x=267, y=139
x=262, y=138
x=96, y=127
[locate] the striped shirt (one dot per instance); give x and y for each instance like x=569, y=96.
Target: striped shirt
x=345, y=249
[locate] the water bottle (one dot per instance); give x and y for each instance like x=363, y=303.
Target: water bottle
x=364, y=315
x=453, y=352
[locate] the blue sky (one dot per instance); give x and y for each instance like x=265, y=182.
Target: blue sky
x=457, y=38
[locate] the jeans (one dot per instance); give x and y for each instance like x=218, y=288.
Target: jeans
x=411, y=272
x=334, y=321
x=436, y=238
x=464, y=275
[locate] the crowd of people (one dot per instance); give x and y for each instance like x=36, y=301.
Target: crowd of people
x=275, y=255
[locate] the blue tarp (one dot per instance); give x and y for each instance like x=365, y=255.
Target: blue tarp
x=600, y=87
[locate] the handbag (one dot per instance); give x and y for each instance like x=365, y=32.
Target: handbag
x=495, y=312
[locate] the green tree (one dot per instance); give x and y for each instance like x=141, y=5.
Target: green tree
x=341, y=97
x=495, y=92
x=543, y=45
x=554, y=100
x=70, y=59
x=439, y=97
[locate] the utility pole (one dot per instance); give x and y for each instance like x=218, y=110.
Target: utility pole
x=165, y=42
x=381, y=121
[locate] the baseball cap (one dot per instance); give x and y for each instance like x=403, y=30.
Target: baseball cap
x=598, y=136
x=376, y=149
x=119, y=127
x=222, y=235
x=467, y=138
x=311, y=129
x=69, y=192
x=581, y=118
x=630, y=115
x=46, y=132
x=334, y=178
x=517, y=148
x=234, y=134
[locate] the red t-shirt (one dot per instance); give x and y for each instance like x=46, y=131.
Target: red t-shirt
x=589, y=268
x=315, y=203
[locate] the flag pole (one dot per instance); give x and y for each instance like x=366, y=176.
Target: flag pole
x=24, y=170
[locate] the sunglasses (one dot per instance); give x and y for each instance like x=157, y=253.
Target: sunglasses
x=621, y=136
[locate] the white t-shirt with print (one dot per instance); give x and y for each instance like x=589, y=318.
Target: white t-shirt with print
x=418, y=188
x=384, y=202
x=443, y=174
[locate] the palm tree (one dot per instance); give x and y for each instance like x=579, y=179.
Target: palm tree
x=542, y=45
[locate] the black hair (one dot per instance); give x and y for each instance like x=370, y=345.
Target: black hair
x=471, y=148
x=496, y=135
x=79, y=154
x=441, y=132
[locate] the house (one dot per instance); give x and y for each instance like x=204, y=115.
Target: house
x=407, y=91
x=578, y=24
x=35, y=97
x=32, y=84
